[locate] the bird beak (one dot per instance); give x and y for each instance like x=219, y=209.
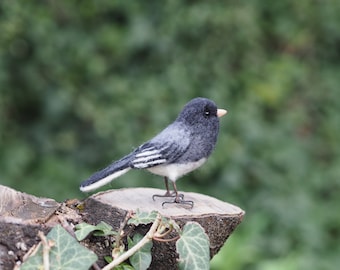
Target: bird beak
x=221, y=112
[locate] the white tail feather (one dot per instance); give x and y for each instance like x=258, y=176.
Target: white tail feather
x=104, y=180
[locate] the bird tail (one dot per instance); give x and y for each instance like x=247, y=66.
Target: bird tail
x=107, y=174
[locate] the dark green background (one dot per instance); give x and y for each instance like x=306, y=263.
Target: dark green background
x=84, y=82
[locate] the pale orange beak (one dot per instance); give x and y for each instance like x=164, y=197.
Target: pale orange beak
x=221, y=112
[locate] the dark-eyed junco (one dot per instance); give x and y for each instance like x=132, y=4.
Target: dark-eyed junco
x=179, y=149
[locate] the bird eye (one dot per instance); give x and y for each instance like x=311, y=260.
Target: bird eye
x=206, y=112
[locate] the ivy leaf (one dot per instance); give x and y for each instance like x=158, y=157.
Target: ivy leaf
x=124, y=266
x=141, y=260
x=143, y=217
x=83, y=230
x=66, y=253
x=193, y=248
x=101, y=229
x=108, y=259
x=173, y=224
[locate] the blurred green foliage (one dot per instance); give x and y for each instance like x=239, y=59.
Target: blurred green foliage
x=84, y=82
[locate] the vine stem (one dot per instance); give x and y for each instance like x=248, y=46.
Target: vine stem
x=147, y=238
x=46, y=250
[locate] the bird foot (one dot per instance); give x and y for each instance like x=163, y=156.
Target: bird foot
x=168, y=195
x=180, y=201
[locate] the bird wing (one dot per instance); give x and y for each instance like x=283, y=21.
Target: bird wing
x=150, y=155
x=165, y=148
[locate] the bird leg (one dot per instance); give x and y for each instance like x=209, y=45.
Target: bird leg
x=168, y=194
x=179, y=198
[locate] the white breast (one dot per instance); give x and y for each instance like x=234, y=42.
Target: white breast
x=174, y=171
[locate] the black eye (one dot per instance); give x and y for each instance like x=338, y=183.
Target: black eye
x=206, y=112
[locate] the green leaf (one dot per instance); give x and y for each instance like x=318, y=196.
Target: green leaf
x=173, y=224
x=83, y=230
x=141, y=260
x=124, y=266
x=66, y=253
x=101, y=229
x=108, y=259
x=143, y=217
x=193, y=248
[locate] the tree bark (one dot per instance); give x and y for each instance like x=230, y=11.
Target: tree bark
x=23, y=215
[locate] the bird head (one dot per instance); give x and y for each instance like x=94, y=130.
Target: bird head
x=201, y=111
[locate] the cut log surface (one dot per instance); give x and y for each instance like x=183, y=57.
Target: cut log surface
x=23, y=207
x=23, y=215
x=141, y=198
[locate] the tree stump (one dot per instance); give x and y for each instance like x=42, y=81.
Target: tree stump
x=23, y=215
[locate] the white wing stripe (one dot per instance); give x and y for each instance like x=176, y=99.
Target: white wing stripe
x=146, y=159
x=150, y=163
x=148, y=153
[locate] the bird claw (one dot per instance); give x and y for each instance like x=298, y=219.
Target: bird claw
x=180, y=202
x=179, y=198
